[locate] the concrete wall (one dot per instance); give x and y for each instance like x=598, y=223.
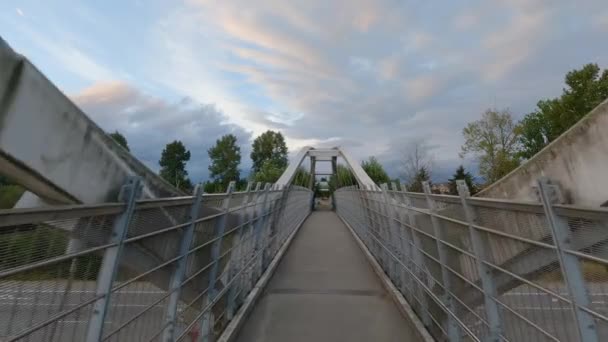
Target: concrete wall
x=577, y=161
x=51, y=147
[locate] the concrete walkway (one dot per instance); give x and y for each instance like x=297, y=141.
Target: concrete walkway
x=325, y=290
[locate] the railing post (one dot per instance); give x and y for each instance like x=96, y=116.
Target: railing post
x=235, y=259
x=404, y=248
x=259, y=232
x=175, y=284
x=251, y=239
x=385, y=258
x=278, y=206
x=485, y=273
x=418, y=259
x=570, y=265
x=220, y=226
x=453, y=330
x=393, y=236
x=111, y=259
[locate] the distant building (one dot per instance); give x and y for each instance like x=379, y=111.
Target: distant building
x=441, y=188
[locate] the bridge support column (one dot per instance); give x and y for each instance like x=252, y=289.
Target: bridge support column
x=570, y=265
x=175, y=283
x=453, y=330
x=485, y=273
x=111, y=259
x=220, y=226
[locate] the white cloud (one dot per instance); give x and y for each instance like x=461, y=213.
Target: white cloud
x=19, y=11
x=149, y=123
x=359, y=73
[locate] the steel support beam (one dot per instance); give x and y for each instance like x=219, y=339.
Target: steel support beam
x=570, y=265
x=220, y=226
x=453, y=328
x=175, y=283
x=485, y=273
x=111, y=259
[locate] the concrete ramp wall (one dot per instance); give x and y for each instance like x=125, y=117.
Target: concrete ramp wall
x=577, y=161
x=53, y=149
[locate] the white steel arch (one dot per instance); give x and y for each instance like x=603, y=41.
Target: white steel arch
x=326, y=154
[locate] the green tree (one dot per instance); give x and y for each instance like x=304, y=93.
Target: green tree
x=462, y=174
x=173, y=165
x=375, y=171
x=585, y=89
x=422, y=175
x=494, y=141
x=120, y=139
x=343, y=177
x=225, y=159
x=302, y=177
x=271, y=146
x=269, y=172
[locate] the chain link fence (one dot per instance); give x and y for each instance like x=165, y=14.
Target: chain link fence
x=479, y=269
x=174, y=269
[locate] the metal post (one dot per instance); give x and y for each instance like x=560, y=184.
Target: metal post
x=334, y=171
x=175, y=284
x=259, y=231
x=220, y=226
x=418, y=259
x=250, y=249
x=381, y=230
x=453, y=330
x=403, y=247
x=235, y=258
x=278, y=206
x=111, y=259
x=570, y=265
x=311, y=183
x=392, y=234
x=485, y=272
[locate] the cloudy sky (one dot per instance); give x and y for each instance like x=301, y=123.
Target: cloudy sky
x=370, y=76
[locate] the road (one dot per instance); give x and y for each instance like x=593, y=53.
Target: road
x=23, y=304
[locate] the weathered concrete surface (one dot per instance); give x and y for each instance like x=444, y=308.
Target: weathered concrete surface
x=577, y=161
x=53, y=149
x=325, y=290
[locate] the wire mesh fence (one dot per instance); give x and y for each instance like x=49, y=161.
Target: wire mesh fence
x=478, y=269
x=140, y=270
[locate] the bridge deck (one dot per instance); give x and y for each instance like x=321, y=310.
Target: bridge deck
x=325, y=290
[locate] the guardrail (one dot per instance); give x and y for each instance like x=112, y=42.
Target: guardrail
x=141, y=270
x=478, y=269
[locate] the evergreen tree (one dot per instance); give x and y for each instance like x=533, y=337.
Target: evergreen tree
x=225, y=159
x=173, y=165
x=462, y=174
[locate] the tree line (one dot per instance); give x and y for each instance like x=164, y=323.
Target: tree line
x=497, y=141
x=269, y=156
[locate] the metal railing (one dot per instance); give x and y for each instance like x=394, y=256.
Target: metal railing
x=141, y=270
x=478, y=269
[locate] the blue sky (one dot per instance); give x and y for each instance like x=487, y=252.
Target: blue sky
x=371, y=76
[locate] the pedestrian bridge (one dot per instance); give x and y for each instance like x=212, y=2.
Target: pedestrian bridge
x=104, y=250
